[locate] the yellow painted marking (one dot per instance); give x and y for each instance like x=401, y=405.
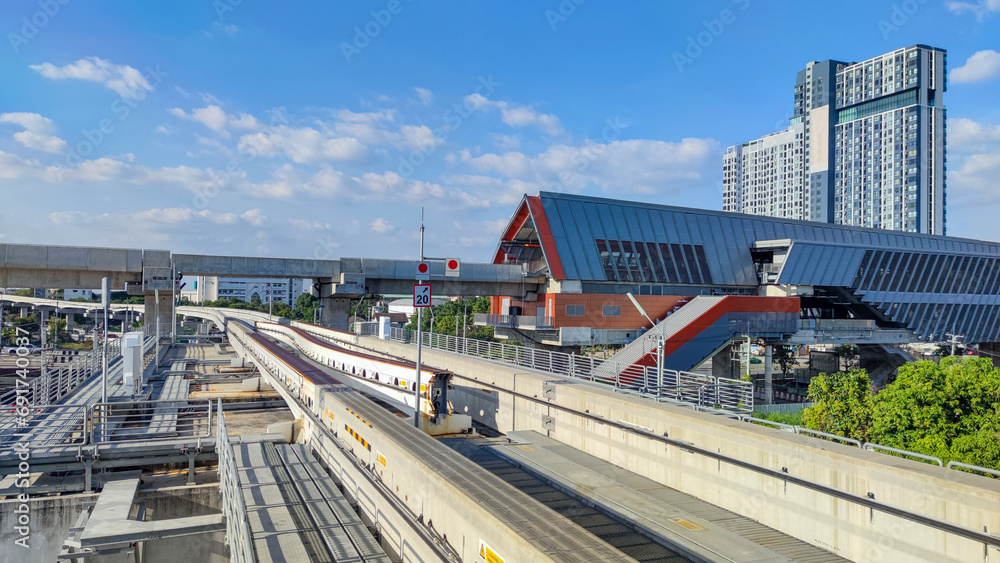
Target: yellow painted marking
x=358, y=437
x=488, y=554
x=381, y=459
x=685, y=524
x=527, y=448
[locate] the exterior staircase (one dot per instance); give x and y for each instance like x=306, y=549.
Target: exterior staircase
x=697, y=330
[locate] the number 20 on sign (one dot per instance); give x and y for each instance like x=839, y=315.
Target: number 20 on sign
x=421, y=295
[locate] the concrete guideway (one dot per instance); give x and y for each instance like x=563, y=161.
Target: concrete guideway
x=441, y=490
x=149, y=272
x=830, y=495
x=699, y=530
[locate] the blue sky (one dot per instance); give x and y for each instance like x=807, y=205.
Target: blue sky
x=318, y=129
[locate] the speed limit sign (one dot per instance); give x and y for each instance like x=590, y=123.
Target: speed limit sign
x=421, y=295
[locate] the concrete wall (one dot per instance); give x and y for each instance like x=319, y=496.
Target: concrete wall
x=840, y=526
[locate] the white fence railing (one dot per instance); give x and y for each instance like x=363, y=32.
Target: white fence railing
x=691, y=388
x=62, y=379
x=233, y=506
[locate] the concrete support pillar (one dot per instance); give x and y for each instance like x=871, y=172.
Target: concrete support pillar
x=43, y=326
x=190, y=457
x=24, y=312
x=336, y=312
x=723, y=364
x=150, y=312
x=768, y=372
x=69, y=322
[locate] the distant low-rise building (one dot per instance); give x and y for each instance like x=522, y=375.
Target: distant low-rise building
x=213, y=288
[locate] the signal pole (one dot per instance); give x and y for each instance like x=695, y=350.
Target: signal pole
x=420, y=323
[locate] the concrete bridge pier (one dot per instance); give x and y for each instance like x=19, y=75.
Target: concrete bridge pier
x=24, y=312
x=723, y=364
x=161, y=315
x=335, y=311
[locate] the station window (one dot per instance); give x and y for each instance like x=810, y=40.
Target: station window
x=575, y=310
x=612, y=311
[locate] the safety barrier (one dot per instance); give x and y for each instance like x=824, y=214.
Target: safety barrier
x=150, y=421
x=694, y=388
x=58, y=383
x=233, y=507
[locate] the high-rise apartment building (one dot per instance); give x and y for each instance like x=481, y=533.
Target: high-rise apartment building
x=865, y=146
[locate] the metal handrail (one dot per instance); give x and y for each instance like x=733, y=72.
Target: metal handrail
x=233, y=506
x=765, y=422
x=959, y=465
x=730, y=394
x=878, y=447
x=109, y=426
x=801, y=430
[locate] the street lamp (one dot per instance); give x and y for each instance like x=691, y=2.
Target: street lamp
x=659, y=350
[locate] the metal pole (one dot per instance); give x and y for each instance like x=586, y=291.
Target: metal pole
x=173, y=304
x=156, y=315
x=106, y=302
x=420, y=322
x=748, y=351
x=659, y=365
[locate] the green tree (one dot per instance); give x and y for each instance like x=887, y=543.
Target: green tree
x=951, y=411
x=848, y=356
x=57, y=328
x=842, y=404
x=784, y=356
x=305, y=306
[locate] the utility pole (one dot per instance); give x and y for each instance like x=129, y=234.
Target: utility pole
x=106, y=302
x=420, y=321
x=954, y=339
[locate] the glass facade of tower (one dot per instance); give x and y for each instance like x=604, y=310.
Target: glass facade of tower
x=870, y=140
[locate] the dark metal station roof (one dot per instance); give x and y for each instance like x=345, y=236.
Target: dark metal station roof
x=907, y=276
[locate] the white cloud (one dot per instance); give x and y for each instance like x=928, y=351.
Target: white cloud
x=966, y=135
x=977, y=178
x=163, y=130
x=255, y=217
x=349, y=116
x=38, y=132
x=143, y=219
x=306, y=225
x=382, y=226
x=506, y=142
x=637, y=166
x=302, y=145
x=125, y=80
x=982, y=65
x=980, y=9
x=213, y=117
x=413, y=137
x=425, y=95
x=517, y=116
